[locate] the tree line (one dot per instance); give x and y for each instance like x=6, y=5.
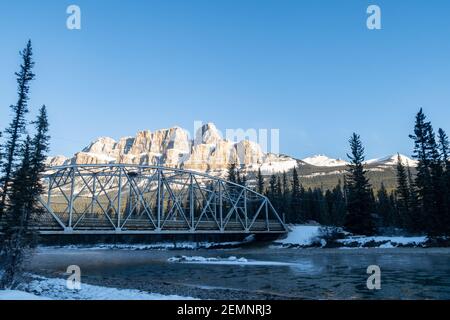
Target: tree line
x=420, y=204
x=22, y=162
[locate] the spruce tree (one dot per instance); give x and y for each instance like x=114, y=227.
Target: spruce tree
x=360, y=218
x=285, y=185
x=244, y=180
x=384, y=207
x=285, y=195
x=423, y=180
x=272, y=188
x=444, y=152
x=17, y=127
x=238, y=178
x=439, y=209
x=16, y=237
x=338, y=209
x=232, y=172
x=39, y=149
x=260, y=182
x=444, y=147
x=279, y=197
x=294, y=201
x=415, y=216
x=404, y=195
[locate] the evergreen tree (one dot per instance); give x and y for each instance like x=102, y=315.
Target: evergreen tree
x=232, y=172
x=294, y=201
x=444, y=152
x=321, y=214
x=384, y=207
x=272, y=192
x=415, y=216
x=439, y=209
x=423, y=181
x=285, y=185
x=16, y=237
x=17, y=127
x=238, y=178
x=244, y=180
x=429, y=181
x=285, y=195
x=404, y=195
x=39, y=149
x=338, y=209
x=444, y=148
x=260, y=182
x=280, y=205
x=360, y=218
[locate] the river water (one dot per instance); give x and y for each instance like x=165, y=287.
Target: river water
x=264, y=273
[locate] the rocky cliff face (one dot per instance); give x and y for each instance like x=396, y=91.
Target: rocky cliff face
x=208, y=151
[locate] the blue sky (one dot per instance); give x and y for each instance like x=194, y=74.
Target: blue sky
x=310, y=68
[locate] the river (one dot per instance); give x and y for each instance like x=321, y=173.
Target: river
x=264, y=273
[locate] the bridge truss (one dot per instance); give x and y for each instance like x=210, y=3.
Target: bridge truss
x=132, y=199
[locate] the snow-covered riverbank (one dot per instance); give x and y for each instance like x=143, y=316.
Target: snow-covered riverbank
x=42, y=288
x=304, y=236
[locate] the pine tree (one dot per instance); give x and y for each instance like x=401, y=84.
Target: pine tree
x=232, y=172
x=359, y=219
x=444, y=152
x=39, y=149
x=244, y=180
x=17, y=126
x=404, y=195
x=238, y=178
x=439, y=209
x=384, y=207
x=285, y=185
x=423, y=181
x=294, y=214
x=444, y=147
x=285, y=195
x=260, y=182
x=415, y=215
x=272, y=188
x=280, y=205
x=338, y=208
x=16, y=237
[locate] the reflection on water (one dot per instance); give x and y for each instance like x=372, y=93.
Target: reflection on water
x=304, y=274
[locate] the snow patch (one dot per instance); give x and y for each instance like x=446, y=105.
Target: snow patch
x=15, y=295
x=225, y=261
x=382, y=241
x=301, y=235
x=56, y=289
x=156, y=246
x=324, y=161
x=392, y=160
x=278, y=166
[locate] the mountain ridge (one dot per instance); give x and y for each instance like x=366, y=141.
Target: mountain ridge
x=206, y=152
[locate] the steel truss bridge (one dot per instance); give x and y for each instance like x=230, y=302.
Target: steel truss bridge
x=133, y=199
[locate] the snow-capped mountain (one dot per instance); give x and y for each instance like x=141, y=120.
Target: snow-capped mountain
x=173, y=148
x=324, y=161
x=392, y=160
x=209, y=152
